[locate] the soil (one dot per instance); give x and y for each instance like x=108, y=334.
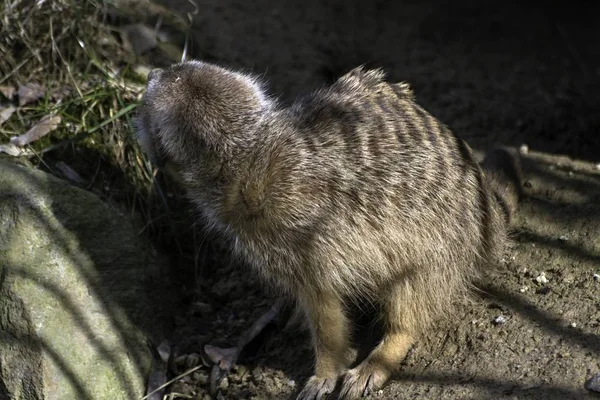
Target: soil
x=496, y=72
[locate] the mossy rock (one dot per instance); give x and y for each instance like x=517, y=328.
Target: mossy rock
x=79, y=293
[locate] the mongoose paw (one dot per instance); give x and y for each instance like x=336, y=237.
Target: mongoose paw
x=363, y=380
x=316, y=388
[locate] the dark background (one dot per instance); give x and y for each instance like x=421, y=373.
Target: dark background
x=496, y=71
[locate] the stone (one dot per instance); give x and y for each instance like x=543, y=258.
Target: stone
x=593, y=384
x=79, y=293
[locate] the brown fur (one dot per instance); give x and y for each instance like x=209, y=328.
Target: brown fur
x=353, y=192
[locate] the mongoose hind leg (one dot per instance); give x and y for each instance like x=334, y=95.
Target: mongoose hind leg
x=330, y=334
x=372, y=373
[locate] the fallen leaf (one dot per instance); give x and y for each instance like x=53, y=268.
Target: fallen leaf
x=10, y=149
x=164, y=350
x=141, y=38
x=6, y=113
x=41, y=129
x=29, y=93
x=8, y=91
x=158, y=373
x=224, y=358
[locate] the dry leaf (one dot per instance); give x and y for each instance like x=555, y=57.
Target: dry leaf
x=224, y=358
x=41, y=129
x=6, y=113
x=158, y=372
x=141, y=38
x=10, y=149
x=164, y=350
x=8, y=91
x=29, y=93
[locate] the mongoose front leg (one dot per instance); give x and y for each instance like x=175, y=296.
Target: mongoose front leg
x=330, y=335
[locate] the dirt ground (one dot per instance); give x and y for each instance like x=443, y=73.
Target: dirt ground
x=495, y=72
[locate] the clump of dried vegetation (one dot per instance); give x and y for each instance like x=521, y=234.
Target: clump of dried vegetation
x=71, y=76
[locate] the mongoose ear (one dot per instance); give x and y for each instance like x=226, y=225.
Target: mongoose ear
x=362, y=78
x=403, y=89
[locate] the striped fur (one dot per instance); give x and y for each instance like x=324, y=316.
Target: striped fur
x=352, y=193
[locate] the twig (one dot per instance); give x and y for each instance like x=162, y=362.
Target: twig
x=15, y=69
x=178, y=377
x=55, y=47
x=190, y=16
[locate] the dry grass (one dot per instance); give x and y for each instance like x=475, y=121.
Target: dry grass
x=66, y=48
x=87, y=73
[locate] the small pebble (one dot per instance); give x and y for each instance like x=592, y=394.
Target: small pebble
x=563, y=238
x=499, y=320
x=593, y=384
x=524, y=289
x=291, y=383
x=524, y=149
x=573, y=324
x=541, y=278
x=597, y=167
x=596, y=277
x=224, y=384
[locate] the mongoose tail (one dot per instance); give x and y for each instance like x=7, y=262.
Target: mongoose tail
x=502, y=168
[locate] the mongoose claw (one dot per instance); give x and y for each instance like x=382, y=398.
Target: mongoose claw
x=316, y=388
x=362, y=381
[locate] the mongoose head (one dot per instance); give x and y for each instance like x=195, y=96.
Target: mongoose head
x=195, y=110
